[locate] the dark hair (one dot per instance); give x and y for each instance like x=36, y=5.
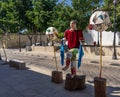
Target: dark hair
x=74, y=21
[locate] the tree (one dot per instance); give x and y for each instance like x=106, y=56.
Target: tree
x=8, y=16
x=82, y=10
x=109, y=6
x=40, y=15
x=61, y=16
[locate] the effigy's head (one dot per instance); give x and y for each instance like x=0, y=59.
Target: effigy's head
x=52, y=33
x=99, y=21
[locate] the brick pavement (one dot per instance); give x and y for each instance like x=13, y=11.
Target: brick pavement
x=36, y=81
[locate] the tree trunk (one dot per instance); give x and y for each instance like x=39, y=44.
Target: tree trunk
x=35, y=38
x=30, y=38
x=40, y=38
x=4, y=50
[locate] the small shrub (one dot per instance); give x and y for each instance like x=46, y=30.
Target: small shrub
x=60, y=35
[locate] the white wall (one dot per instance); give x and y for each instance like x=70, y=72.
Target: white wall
x=107, y=37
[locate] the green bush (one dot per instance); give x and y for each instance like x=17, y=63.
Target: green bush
x=61, y=35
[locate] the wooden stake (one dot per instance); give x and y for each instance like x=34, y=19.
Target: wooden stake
x=55, y=57
x=100, y=54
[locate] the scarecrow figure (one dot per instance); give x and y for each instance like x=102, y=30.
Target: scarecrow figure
x=73, y=36
x=99, y=21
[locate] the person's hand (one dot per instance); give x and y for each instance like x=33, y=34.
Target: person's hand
x=82, y=42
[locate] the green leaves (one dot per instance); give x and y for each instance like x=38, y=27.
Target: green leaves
x=7, y=16
x=82, y=10
x=37, y=15
x=109, y=6
x=41, y=13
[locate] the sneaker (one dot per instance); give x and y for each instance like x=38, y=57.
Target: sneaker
x=65, y=68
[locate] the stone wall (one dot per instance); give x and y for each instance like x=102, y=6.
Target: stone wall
x=89, y=50
x=12, y=40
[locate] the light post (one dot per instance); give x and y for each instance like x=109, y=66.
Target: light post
x=114, y=40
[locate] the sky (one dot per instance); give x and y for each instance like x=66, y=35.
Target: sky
x=69, y=1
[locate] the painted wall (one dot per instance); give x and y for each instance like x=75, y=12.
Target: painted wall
x=107, y=38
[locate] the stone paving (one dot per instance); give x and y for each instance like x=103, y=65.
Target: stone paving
x=35, y=81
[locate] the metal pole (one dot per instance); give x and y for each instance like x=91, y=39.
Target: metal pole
x=114, y=40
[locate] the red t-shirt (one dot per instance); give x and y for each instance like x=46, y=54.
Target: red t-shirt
x=73, y=37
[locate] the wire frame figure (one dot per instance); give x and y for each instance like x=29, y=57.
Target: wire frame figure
x=100, y=22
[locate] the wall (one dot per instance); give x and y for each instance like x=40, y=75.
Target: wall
x=107, y=38
x=12, y=40
x=89, y=50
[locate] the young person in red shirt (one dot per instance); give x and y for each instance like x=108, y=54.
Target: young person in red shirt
x=73, y=36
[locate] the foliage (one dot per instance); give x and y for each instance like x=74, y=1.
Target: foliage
x=41, y=13
x=60, y=35
x=109, y=6
x=8, y=16
x=37, y=15
x=82, y=10
x=61, y=17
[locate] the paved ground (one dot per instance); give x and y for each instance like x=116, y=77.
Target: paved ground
x=36, y=80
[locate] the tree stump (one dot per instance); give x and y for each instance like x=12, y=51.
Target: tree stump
x=100, y=87
x=57, y=76
x=70, y=83
x=80, y=81
x=75, y=83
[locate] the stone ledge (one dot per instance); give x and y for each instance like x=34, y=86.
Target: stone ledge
x=18, y=64
x=89, y=50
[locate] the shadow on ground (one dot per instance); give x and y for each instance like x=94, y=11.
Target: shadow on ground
x=94, y=62
x=27, y=83
x=113, y=91
x=115, y=64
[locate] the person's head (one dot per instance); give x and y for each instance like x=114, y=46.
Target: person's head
x=73, y=24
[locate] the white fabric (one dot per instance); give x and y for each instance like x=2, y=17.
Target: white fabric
x=69, y=55
x=73, y=64
x=51, y=30
x=52, y=33
x=100, y=21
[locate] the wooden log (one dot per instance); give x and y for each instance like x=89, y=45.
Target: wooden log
x=17, y=64
x=80, y=81
x=75, y=83
x=57, y=76
x=100, y=87
x=70, y=83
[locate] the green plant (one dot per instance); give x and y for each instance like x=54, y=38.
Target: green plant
x=60, y=35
